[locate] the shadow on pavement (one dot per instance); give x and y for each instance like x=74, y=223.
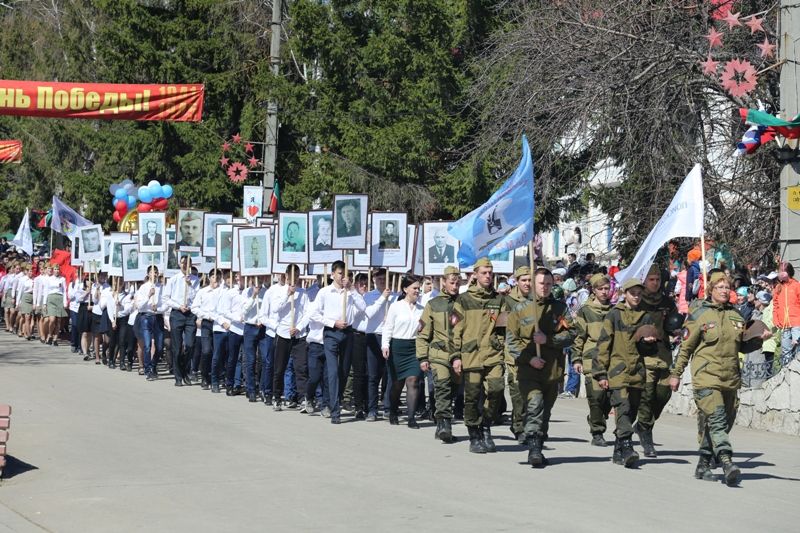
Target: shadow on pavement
x=15, y=466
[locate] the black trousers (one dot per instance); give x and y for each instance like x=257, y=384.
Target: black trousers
x=359, y=367
x=182, y=327
x=206, y=349
x=127, y=341
x=298, y=351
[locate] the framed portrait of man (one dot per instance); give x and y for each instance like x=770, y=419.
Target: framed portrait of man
x=350, y=213
x=235, y=246
x=255, y=251
x=190, y=230
x=91, y=243
x=411, y=238
x=292, y=235
x=278, y=267
x=152, y=232
x=320, y=238
x=133, y=269
x=173, y=259
x=389, y=239
x=439, y=247
x=210, y=223
x=115, y=240
x=224, y=244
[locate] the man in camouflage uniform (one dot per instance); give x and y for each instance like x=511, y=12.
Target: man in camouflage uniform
x=433, y=351
x=538, y=330
x=712, y=338
x=618, y=364
x=478, y=343
x=588, y=325
x=519, y=294
x=656, y=392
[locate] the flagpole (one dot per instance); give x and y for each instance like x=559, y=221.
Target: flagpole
x=535, y=312
x=703, y=259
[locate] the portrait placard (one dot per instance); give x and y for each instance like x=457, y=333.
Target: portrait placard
x=292, y=236
x=389, y=239
x=224, y=242
x=132, y=268
x=277, y=267
x=255, y=251
x=114, y=252
x=75, y=252
x=210, y=222
x=173, y=259
x=235, y=247
x=320, y=238
x=264, y=221
x=350, y=213
x=91, y=243
x=190, y=230
x=419, y=253
x=152, y=232
x=411, y=238
x=253, y=203
x=440, y=248
x=503, y=263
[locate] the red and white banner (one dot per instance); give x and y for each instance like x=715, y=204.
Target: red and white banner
x=179, y=103
x=11, y=151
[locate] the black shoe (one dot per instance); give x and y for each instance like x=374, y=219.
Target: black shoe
x=335, y=420
x=360, y=415
x=394, y=419
x=627, y=453
x=204, y=385
x=616, y=457
x=412, y=423
x=252, y=397
x=291, y=405
x=238, y=390
x=112, y=366
x=446, y=435
x=187, y=380
x=151, y=377
x=646, y=441
x=178, y=384
x=730, y=471
x=215, y=388
x=267, y=400
x=123, y=367
x=476, y=440
x=535, y=457
x=703, y=470
x=229, y=392
x=488, y=441
x=598, y=440
x=372, y=417
x=439, y=426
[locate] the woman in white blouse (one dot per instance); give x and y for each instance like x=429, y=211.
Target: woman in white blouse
x=24, y=302
x=399, y=348
x=55, y=290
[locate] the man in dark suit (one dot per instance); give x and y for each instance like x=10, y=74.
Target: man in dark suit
x=389, y=238
x=441, y=252
x=348, y=223
x=152, y=237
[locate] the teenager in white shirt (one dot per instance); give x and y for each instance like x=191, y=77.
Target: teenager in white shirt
x=24, y=302
x=253, y=334
x=9, y=305
x=55, y=288
x=399, y=348
x=75, y=297
x=204, y=308
x=151, y=306
x=180, y=292
x=268, y=318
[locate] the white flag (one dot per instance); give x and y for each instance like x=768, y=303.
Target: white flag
x=683, y=218
x=65, y=220
x=23, y=239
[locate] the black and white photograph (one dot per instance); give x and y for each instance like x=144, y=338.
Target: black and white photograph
x=115, y=240
x=411, y=237
x=133, y=269
x=440, y=248
x=210, y=223
x=292, y=233
x=389, y=239
x=320, y=238
x=152, y=232
x=350, y=212
x=91, y=243
x=174, y=253
x=190, y=230
x=224, y=243
x=255, y=257
x=75, y=252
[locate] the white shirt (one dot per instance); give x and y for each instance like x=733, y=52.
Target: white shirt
x=229, y=310
x=329, y=305
x=24, y=285
x=268, y=312
x=205, y=302
x=77, y=295
x=251, y=310
x=316, y=330
x=144, y=302
x=371, y=319
x=402, y=322
x=38, y=297
x=312, y=292
x=105, y=301
x=54, y=285
x=285, y=313
x=124, y=306
x=176, y=293
x=427, y=297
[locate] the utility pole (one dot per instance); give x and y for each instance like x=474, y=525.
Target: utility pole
x=789, y=244
x=271, y=136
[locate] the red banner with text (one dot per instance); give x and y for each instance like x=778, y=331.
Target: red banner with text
x=179, y=103
x=10, y=151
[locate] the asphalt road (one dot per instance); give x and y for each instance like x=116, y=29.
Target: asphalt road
x=94, y=449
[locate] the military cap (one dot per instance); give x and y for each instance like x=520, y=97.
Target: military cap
x=522, y=271
x=482, y=262
x=631, y=283
x=599, y=280
x=654, y=269
x=451, y=270
x=189, y=216
x=716, y=277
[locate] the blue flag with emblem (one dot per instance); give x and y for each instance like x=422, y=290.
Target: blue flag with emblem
x=504, y=222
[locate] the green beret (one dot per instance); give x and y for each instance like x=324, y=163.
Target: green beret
x=631, y=283
x=482, y=262
x=522, y=271
x=451, y=270
x=599, y=280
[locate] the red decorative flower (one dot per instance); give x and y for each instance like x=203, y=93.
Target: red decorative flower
x=237, y=172
x=253, y=162
x=738, y=77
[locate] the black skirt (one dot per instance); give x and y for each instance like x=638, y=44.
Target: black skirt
x=101, y=324
x=84, y=319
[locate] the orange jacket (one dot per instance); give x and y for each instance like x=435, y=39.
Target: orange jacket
x=786, y=298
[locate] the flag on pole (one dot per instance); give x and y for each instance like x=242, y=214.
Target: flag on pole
x=683, y=218
x=275, y=199
x=504, y=222
x=65, y=220
x=23, y=239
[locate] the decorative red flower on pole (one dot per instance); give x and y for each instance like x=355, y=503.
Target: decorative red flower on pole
x=237, y=172
x=738, y=77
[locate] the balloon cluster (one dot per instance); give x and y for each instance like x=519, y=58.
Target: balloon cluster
x=154, y=197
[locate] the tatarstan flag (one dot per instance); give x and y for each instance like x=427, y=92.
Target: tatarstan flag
x=275, y=199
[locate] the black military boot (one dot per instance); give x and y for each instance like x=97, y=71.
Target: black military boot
x=535, y=457
x=627, y=453
x=598, y=440
x=729, y=469
x=703, y=470
x=616, y=458
x=438, y=433
x=447, y=431
x=488, y=441
x=475, y=440
x=646, y=440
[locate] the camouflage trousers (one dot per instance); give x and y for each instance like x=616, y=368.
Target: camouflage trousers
x=655, y=395
x=488, y=381
x=715, y=417
x=517, y=405
x=539, y=400
x=625, y=402
x=445, y=386
x=599, y=406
